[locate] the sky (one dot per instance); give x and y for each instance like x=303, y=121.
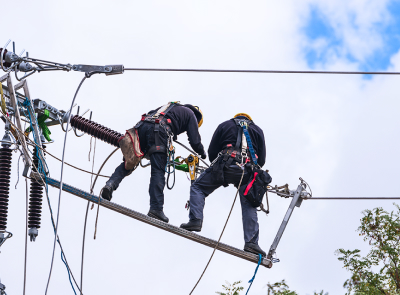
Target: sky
x=337, y=132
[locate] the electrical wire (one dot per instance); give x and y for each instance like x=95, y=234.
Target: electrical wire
x=61, y=184
x=26, y=234
x=98, y=203
x=87, y=208
x=262, y=71
x=32, y=143
x=226, y=222
x=355, y=198
x=20, y=133
x=77, y=168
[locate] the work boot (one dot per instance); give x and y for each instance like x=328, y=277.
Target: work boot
x=158, y=214
x=254, y=248
x=193, y=225
x=106, y=193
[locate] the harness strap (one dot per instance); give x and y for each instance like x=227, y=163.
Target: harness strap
x=158, y=119
x=251, y=149
x=233, y=155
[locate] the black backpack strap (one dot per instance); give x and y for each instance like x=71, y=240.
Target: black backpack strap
x=235, y=151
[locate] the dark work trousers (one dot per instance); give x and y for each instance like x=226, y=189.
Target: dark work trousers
x=205, y=185
x=158, y=163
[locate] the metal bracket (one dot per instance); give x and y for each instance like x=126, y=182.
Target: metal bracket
x=14, y=104
x=24, y=86
x=90, y=70
x=3, y=239
x=296, y=202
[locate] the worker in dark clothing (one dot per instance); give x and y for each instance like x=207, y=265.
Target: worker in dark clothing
x=154, y=137
x=228, y=161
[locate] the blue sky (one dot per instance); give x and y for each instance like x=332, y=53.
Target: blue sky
x=319, y=28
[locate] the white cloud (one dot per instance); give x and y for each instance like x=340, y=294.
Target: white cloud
x=337, y=132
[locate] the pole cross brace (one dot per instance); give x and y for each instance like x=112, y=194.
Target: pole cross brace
x=154, y=222
x=296, y=202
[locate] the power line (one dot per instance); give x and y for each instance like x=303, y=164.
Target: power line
x=355, y=198
x=262, y=71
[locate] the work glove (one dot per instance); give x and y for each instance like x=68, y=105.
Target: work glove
x=204, y=156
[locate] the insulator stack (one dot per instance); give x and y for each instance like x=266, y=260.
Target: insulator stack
x=96, y=130
x=35, y=199
x=5, y=171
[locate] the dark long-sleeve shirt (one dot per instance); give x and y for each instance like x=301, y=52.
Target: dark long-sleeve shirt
x=227, y=132
x=184, y=120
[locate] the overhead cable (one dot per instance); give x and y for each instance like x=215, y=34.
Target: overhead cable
x=354, y=198
x=262, y=71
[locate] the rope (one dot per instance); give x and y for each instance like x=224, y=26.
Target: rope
x=262, y=71
x=170, y=162
x=254, y=276
x=61, y=184
x=87, y=207
x=226, y=222
x=69, y=275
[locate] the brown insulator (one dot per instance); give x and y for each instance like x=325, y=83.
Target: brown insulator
x=35, y=198
x=96, y=130
x=5, y=171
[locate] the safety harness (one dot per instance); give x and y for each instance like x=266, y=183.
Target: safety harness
x=243, y=151
x=159, y=120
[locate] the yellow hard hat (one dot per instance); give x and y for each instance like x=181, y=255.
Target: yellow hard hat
x=197, y=112
x=201, y=120
x=243, y=115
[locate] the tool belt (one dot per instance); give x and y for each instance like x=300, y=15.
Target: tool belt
x=130, y=147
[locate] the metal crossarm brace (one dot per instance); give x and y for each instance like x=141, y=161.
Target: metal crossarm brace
x=14, y=105
x=296, y=202
x=154, y=222
x=24, y=86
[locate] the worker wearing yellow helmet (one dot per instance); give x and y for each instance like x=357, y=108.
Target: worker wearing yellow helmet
x=231, y=156
x=150, y=138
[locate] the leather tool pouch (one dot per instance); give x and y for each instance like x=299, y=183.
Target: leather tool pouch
x=256, y=187
x=130, y=147
x=217, y=172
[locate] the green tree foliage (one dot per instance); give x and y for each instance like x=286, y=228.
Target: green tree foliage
x=281, y=288
x=233, y=289
x=378, y=273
